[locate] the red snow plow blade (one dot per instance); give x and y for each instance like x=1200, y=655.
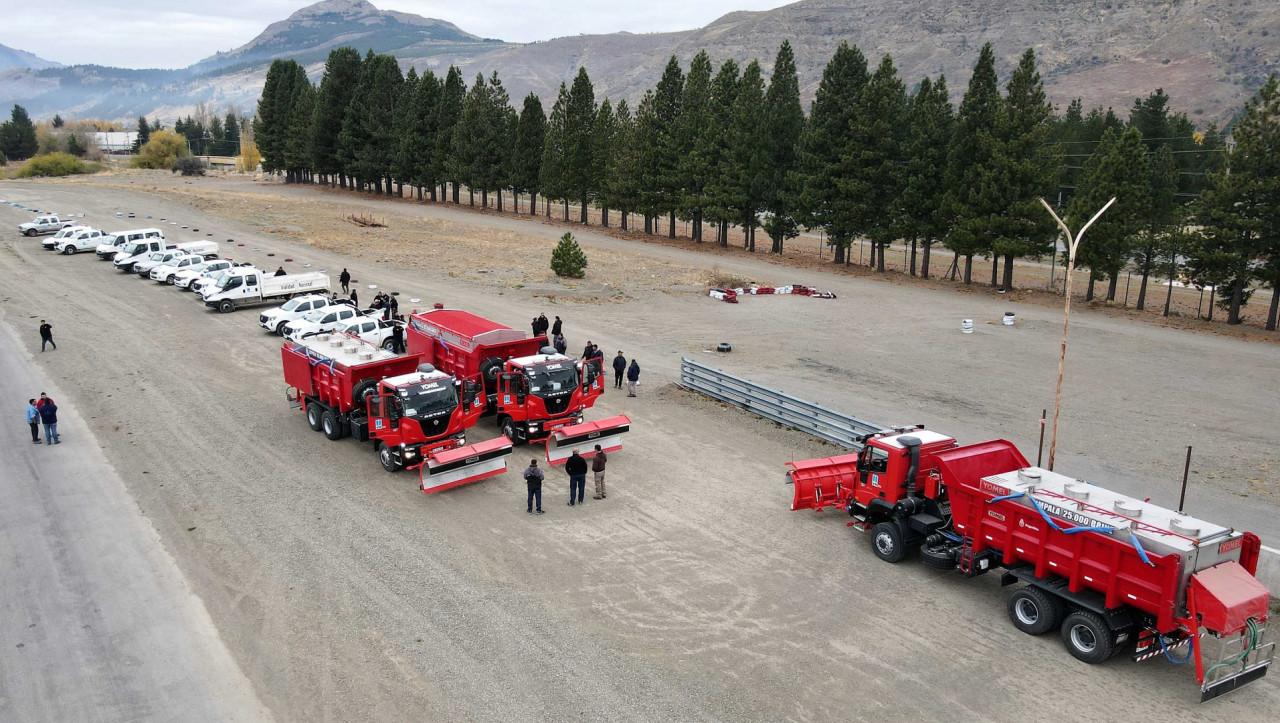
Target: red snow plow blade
x=584, y=437
x=457, y=467
x=822, y=482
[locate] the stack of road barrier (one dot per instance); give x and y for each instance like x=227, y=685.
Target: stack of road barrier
x=731, y=295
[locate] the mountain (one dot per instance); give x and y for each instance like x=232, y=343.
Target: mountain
x=14, y=58
x=1209, y=55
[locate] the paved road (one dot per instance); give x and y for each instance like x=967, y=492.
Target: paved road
x=96, y=621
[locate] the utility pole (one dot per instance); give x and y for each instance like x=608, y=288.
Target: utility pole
x=1072, y=245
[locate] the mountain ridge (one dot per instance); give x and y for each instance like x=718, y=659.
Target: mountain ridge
x=15, y=58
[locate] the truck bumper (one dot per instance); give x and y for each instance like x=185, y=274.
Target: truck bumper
x=606, y=432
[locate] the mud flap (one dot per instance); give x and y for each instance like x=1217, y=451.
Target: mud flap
x=606, y=432
x=457, y=467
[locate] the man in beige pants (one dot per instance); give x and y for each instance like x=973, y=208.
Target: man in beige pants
x=597, y=468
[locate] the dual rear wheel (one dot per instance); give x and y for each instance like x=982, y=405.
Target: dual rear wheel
x=1085, y=634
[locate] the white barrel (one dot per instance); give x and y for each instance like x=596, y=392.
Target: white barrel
x=966, y=326
x=1008, y=318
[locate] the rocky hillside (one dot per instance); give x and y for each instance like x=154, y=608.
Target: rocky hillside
x=1209, y=55
x=14, y=58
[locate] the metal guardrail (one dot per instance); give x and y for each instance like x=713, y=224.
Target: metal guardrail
x=835, y=427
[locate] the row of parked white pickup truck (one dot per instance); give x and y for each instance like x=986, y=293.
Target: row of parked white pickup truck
x=225, y=285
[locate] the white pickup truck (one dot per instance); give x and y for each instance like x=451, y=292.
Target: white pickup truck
x=160, y=258
x=114, y=242
x=52, y=242
x=183, y=278
x=319, y=321
x=82, y=240
x=273, y=320
x=242, y=287
x=164, y=273
x=136, y=251
x=44, y=224
x=369, y=327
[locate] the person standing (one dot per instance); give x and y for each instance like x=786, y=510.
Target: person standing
x=586, y=350
x=280, y=271
x=49, y=417
x=633, y=377
x=619, y=369
x=46, y=334
x=33, y=419
x=355, y=298
x=394, y=305
x=576, y=468
x=397, y=339
x=345, y=279
x=555, y=327
x=597, y=468
x=533, y=478
x=598, y=353
x=560, y=344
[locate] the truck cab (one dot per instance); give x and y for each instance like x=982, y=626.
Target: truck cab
x=536, y=395
x=159, y=258
x=62, y=234
x=113, y=243
x=415, y=414
x=274, y=320
x=165, y=272
x=136, y=251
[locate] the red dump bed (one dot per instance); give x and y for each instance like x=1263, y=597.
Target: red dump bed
x=312, y=372
x=458, y=342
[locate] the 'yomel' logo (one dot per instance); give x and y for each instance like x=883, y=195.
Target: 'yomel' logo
x=1230, y=545
x=992, y=488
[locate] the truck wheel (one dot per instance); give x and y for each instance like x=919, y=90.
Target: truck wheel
x=331, y=425
x=509, y=430
x=489, y=370
x=886, y=542
x=388, y=460
x=315, y=415
x=31, y=232
x=389, y=344
x=1035, y=611
x=1087, y=637
x=937, y=558
x=68, y=250
x=362, y=391
x=226, y=306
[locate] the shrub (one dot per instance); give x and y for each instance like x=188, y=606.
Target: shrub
x=567, y=259
x=3, y=160
x=161, y=151
x=55, y=164
x=190, y=166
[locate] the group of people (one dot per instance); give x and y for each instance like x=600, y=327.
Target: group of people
x=387, y=303
x=43, y=411
x=576, y=468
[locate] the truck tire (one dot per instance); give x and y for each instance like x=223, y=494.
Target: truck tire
x=362, y=391
x=332, y=426
x=510, y=431
x=489, y=370
x=886, y=542
x=68, y=250
x=280, y=328
x=939, y=559
x=387, y=458
x=1035, y=611
x=1087, y=637
x=388, y=344
x=31, y=232
x=226, y=307
x=315, y=415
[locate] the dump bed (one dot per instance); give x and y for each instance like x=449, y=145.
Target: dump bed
x=329, y=368
x=459, y=342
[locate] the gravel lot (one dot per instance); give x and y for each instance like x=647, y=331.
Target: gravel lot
x=692, y=593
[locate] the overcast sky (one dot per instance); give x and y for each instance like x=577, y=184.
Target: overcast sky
x=156, y=34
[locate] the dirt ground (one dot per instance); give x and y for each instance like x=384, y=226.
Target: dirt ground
x=692, y=593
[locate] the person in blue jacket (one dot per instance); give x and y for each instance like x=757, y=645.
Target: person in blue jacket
x=33, y=419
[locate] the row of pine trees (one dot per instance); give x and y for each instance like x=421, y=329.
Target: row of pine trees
x=724, y=148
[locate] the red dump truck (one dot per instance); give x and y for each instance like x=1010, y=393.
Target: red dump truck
x=415, y=415
x=535, y=393
x=1113, y=573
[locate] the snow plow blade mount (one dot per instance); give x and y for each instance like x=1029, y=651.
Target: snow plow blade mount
x=457, y=467
x=824, y=482
x=584, y=437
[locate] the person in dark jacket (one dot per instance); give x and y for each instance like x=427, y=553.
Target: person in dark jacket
x=394, y=305
x=355, y=298
x=597, y=353
x=46, y=334
x=576, y=468
x=598, y=462
x=397, y=339
x=556, y=327
x=619, y=368
x=280, y=271
x=49, y=417
x=587, y=350
x=533, y=478
x=345, y=279
x=560, y=344
x=633, y=377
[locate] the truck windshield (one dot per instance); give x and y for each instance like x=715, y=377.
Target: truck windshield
x=229, y=282
x=431, y=399
x=552, y=380
x=133, y=248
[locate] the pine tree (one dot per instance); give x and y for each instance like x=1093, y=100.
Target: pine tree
x=452, y=95
x=526, y=153
x=551, y=174
x=645, y=139
x=500, y=131
x=695, y=165
x=341, y=75
x=930, y=127
x=73, y=145
x=18, y=135
x=215, y=133
x=57, y=121
x=298, y=149
x=1026, y=167
x=231, y=132
x=1161, y=217
x=710, y=150
x=469, y=137
x=402, y=163
x=818, y=165
x=783, y=126
x=579, y=117
x=666, y=189
x=604, y=143
x=368, y=137
x=1116, y=169
x=620, y=181
x=418, y=139
x=1240, y=211
x=285, y=79
x=144, y=133
x=971, y=200
x=746, y=162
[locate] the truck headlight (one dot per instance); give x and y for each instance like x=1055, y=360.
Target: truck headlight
x=533, y=427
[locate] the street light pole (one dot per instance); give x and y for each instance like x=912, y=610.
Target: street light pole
x=1072, y=245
